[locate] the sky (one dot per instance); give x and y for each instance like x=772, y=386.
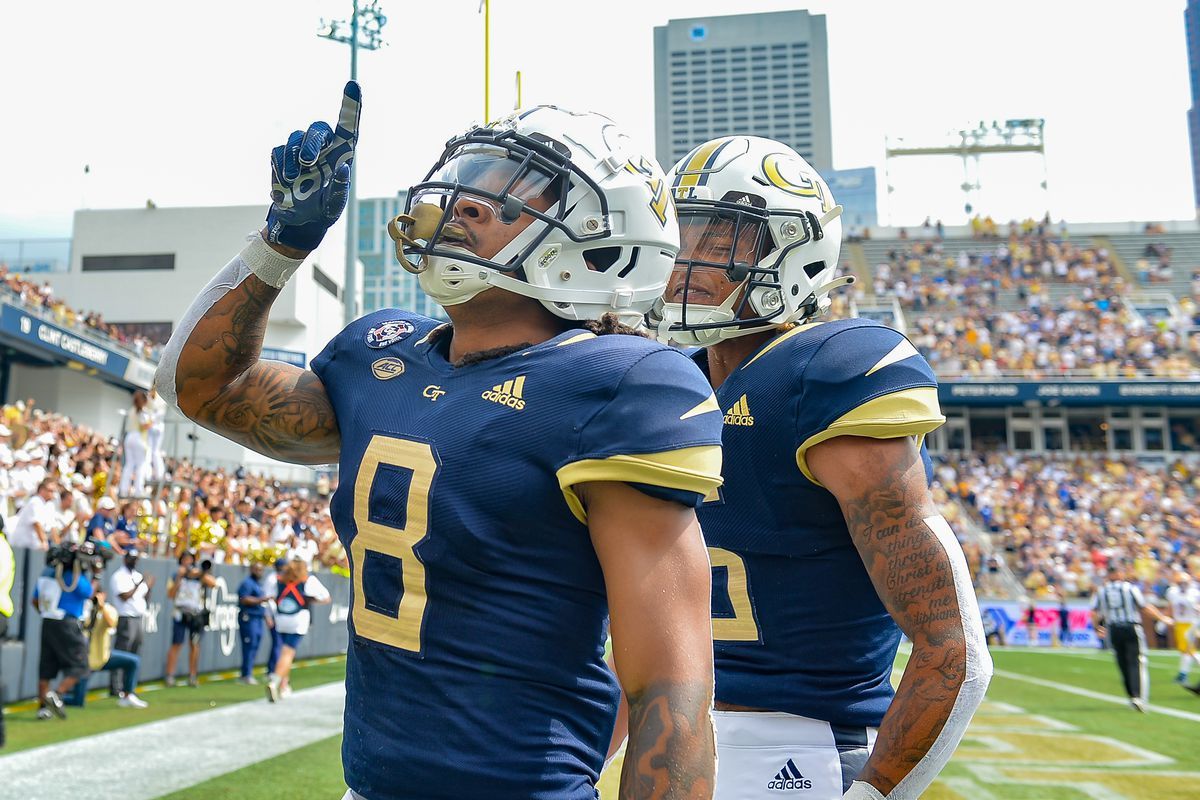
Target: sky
x=182, y=103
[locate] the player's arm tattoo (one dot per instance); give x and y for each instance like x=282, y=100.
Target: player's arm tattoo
x=671, y=753
x=273, y=408
x=882, y=490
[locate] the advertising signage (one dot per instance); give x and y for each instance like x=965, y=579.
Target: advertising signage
x=1069, y=393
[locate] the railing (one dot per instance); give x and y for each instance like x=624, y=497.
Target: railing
x=1001, y=584
x=45, y=314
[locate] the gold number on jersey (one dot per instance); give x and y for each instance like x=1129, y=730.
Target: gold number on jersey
x=404, y=629
x=742, y=626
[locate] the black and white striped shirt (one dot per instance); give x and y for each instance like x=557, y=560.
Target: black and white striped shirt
x=1119, y=603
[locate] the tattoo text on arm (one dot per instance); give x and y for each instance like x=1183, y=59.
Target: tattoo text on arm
x=912, y=574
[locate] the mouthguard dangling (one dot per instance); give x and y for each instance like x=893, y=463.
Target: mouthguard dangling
x=415, y=229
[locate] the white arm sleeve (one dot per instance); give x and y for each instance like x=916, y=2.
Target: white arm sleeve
x=970, y=694
x=256, y=257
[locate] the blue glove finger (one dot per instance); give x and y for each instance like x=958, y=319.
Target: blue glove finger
x=351, y=111
x=277, y=164
x=336, y=194
x=318, y=135
x=291, y=153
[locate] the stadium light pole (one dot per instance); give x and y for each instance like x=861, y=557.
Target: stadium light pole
x=365, y=30
x=485, y=7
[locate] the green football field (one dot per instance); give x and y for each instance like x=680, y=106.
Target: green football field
x=1054, y=725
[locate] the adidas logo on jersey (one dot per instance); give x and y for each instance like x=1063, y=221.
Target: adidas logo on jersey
x=510, y=393
x=739, y=414
x=789, y=779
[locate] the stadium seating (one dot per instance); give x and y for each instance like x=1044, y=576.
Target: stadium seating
x=1060, y=521
x=228, y=517
x=29, y=293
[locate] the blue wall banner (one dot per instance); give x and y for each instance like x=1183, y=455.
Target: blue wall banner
x=1069, y=393
x=65, y=343
x=61, y=341
x=293, y=357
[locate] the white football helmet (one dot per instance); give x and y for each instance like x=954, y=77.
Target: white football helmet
x=606, y=243
x=742, y=189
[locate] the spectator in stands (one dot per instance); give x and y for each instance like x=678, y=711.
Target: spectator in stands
x=102, y=525
x=35, y=526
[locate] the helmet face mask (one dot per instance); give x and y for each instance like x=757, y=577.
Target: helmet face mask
x=768, y=196
x=541, y=204
x=502, y=170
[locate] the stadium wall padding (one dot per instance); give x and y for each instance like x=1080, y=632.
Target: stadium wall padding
x=220, y=648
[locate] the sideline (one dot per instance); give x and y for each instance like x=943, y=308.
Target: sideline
x=154, y=686
x=1108, y=698
x=217, y=741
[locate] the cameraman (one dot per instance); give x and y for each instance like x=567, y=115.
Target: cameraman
x=188, y=590
x=59, y=596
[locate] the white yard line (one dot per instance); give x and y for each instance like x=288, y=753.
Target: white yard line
x=1107, y=698
x=174, y=753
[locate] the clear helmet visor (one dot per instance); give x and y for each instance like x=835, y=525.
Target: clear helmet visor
x=491, y=180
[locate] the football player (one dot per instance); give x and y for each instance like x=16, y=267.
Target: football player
x=514, y=484
x=1183, y=602
x=824, y=540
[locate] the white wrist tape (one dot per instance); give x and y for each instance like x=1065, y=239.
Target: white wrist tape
x=256, y=258
x=970, y=694
x=862, y=791
x=272, y=268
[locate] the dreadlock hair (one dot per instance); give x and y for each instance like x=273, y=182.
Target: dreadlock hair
x=610, y=323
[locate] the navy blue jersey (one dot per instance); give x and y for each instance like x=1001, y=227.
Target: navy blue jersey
x=797, y=624
x=479, y=614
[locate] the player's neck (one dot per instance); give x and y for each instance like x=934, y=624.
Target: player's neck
x=497, y=319
x=725, y=356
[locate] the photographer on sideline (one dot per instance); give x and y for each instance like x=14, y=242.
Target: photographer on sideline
x=101, y=621
x=8, y=573
x=129, y=590
x=59, y=596
x=189, y=591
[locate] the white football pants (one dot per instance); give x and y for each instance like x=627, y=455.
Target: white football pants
x=769, y=755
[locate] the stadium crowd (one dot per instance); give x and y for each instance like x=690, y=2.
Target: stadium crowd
x=42, y=297
x=58, y=483
x=957, y=320
x=926, y=278
x=1085, y=335
x=1060, y=521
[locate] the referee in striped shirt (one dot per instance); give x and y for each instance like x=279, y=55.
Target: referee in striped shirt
x=1117, y=612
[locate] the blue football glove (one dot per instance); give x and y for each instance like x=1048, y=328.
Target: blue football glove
x=310, y=177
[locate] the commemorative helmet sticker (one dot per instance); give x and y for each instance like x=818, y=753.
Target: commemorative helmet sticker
x=388, y=332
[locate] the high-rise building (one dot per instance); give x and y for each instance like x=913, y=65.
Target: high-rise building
x=761, y=74
x=385, y=283
x=1191, y=18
